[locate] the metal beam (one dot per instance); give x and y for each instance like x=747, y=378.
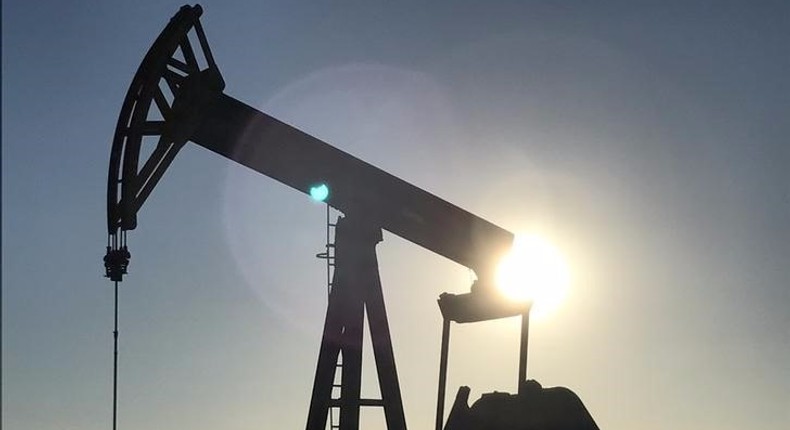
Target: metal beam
x=299, y=160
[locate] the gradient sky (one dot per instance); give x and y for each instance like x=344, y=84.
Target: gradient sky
x=647, y=140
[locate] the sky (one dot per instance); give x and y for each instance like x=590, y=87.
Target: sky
x=648, y=141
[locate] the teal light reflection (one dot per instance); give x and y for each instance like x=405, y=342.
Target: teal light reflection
x=319, y=192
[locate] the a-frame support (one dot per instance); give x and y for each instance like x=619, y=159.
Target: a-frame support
x=356, y=290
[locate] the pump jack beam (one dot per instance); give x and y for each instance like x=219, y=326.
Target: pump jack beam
x=200, y=112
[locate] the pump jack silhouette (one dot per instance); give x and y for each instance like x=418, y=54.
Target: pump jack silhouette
x=179, y=79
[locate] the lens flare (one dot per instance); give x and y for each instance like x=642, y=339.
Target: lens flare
x=535, y=271
x=319, y=192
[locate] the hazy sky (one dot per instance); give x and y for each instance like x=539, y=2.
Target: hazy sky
x=647, y=140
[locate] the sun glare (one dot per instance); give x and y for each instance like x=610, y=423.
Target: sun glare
x=535, y=271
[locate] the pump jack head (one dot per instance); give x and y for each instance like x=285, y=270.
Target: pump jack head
x=163, y=103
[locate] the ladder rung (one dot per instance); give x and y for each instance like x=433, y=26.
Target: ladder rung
x=336, y=403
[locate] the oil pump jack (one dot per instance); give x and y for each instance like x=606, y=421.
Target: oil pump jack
x=177, y=96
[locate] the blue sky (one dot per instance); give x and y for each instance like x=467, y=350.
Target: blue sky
x=648, y=141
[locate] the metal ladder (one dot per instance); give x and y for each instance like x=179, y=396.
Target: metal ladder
x=329, y=256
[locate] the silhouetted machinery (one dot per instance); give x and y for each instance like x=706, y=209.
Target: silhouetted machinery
x=176, y=96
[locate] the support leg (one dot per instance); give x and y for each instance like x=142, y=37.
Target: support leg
x=327, y=361
x=442, y=374
x=384, y=356
x=522, y=362
x=351, y=380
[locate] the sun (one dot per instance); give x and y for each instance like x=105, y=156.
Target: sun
x=535, y=271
